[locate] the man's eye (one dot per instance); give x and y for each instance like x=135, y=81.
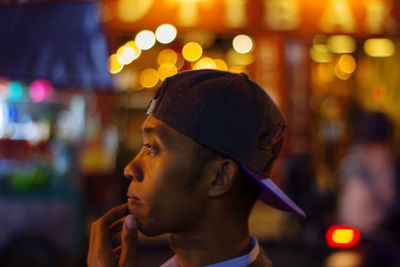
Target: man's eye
x=149, y=149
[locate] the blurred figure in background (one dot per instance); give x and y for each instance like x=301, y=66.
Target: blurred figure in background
x=368, y=198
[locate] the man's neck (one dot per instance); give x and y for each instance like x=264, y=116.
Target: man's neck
x=211, y=244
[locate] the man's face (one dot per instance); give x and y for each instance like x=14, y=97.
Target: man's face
x=157, y=196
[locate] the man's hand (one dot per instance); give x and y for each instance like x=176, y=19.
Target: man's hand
x=102, y=253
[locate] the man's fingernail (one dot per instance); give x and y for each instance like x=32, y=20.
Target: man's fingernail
x=130, y=221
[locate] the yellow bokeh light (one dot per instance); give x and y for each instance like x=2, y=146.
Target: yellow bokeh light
x=379, y=47
x=192, y=51
x=242, y=44
x=126, y=54
x=205, y=63
x=343, y=236
x=320, y=53
x=166, y=33
x=137, y=50
x=347, y=64
x=148, y=78
x=113, y=64
x=237, y=69
x=341, y=44
x=145, y=39
x=167, y=56
x=221, y=64
x=166, y=70
x=341, y=74
x=132, y=10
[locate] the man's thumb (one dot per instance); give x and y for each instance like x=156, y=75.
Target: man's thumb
x=128, y=243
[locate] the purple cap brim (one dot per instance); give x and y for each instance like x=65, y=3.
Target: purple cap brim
x=272, y=195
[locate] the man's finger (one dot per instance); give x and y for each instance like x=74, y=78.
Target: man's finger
x=116, y=226
x=114, y=215
x=128, y=242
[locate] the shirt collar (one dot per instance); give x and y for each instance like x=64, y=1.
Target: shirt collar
x=241, y=261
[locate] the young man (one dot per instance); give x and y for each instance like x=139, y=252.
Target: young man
x=209, y=140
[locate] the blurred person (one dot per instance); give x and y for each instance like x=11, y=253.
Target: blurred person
x=368, y=198
x=209, y=140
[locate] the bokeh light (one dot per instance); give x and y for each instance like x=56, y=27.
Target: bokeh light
x=242, y=44
x=40, y=90
x=341, y=44
x=148, y=78
x=167, y=56
x=192, y=51
x=379, y=47
x=114, y=66
x=166, y=70
x=347, y=64
x=145, y=39
x=128, y=53
x=320, y=53
x=221, y=64
x=16, y=91
x=205, y=63
x=166, y=33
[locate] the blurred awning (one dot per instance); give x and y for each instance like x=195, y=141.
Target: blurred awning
x=61, y=42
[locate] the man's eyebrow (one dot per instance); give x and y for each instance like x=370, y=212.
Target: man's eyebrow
x=161, y=132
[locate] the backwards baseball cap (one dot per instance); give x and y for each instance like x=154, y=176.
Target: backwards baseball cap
x=232, y=115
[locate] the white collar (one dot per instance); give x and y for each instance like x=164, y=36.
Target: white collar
x=241, y=261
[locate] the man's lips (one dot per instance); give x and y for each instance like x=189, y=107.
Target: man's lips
x=134, y=200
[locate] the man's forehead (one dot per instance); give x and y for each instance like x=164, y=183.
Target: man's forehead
x=152, y=125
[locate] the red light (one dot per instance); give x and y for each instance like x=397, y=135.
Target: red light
x=342, y=236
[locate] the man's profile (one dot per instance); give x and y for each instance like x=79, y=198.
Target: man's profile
x=209, y=142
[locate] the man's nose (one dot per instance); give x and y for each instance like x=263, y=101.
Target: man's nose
x=133, y=170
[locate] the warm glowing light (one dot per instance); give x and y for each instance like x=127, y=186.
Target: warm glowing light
x=166, y=70
x=40, y=90
x=205, y=63
x=166, y=33
x=235, y=58
x=242, y=44
x=221, y=64
x=347, y=64
x=342, y=236
x=379, y=47
x=145, y=39
x=344, y=258
x=237, y=69
x=128, y=53
x=167, y=56
x=148, y=78
x=137, y=50
x=132, y=10
x=192, y=51
x=320, y=53
x=16, y=91
x=341, y=44
x=114, y=66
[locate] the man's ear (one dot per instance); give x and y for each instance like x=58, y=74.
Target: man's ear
x=224, y=177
